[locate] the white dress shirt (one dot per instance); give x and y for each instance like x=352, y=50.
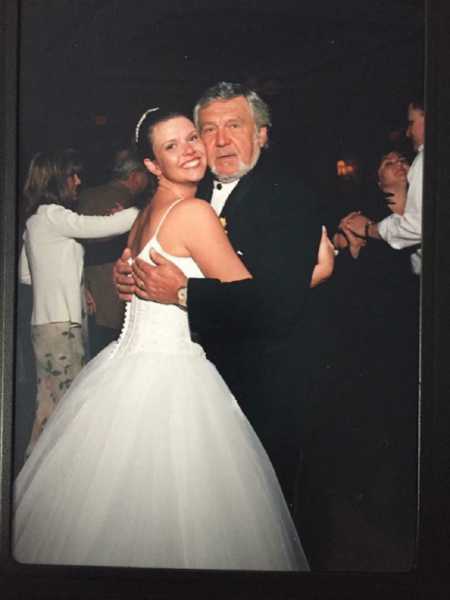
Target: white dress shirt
x=401, y=231
x=221, y=191
x=52, y=260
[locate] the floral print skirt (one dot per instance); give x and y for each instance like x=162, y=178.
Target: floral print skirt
x=60, y=353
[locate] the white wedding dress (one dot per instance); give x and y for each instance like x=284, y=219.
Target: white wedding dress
x=148, y=461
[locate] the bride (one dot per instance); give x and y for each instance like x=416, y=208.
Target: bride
x=148, y=461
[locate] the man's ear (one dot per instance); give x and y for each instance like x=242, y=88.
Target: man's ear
x=152, y=167
x=262, y=137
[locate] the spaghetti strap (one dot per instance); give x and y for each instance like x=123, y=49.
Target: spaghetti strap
x=163, y=218
x=154, y=237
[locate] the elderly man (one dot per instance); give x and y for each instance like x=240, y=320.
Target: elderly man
x=129, y=178
x=251, y=330
x=401, y=230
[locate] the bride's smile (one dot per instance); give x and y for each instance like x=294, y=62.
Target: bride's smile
x=180, y=154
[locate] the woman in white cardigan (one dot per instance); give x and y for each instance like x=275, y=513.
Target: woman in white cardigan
x=52, y=262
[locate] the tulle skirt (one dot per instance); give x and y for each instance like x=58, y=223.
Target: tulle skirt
x=148, y=461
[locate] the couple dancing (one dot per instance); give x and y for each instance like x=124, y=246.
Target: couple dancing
x=148, y=460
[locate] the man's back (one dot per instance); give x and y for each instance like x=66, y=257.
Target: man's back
x=101, y=254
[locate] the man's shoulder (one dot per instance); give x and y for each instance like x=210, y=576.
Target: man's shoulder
x=417, y=164
x=281, y=184
x=273, y=169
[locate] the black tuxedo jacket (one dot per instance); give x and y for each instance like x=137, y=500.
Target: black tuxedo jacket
x=252, y=330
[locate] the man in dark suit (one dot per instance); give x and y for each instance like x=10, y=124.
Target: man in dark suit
x=129, y=178
x=251, y=330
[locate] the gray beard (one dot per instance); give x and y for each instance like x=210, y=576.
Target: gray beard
x=244, y=169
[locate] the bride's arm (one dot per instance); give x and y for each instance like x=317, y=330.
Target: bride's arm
x=206, y=242
x=194, y=230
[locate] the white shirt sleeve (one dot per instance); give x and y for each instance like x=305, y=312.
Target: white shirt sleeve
x=71, y=224
x=24, y=268
x=401, y=231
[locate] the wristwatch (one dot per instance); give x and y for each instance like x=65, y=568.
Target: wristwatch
x=366, y=229
x=182, y=296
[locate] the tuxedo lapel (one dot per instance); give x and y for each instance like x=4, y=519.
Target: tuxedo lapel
x=236, y=197
x=205, y=188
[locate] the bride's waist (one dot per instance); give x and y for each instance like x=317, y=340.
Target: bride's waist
x=155, y=328
x=157, y=342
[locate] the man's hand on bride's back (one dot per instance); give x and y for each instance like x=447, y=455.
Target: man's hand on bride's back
x=159, y=283
x=123, y=276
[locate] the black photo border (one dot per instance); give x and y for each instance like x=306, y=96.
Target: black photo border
x=430, y=577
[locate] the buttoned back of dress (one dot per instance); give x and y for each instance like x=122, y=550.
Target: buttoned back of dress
x=153, y=327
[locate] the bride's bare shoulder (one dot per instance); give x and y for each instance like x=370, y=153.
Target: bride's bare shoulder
x=192, y=202
x=194, y=207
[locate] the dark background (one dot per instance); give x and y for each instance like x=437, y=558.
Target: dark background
x=337, y=75
x=430, y=578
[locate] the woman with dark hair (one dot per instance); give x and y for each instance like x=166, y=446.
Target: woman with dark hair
x=369, y=373
x=52, y=262
x=149, y=461
x=391, y=179
x=402, y=230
